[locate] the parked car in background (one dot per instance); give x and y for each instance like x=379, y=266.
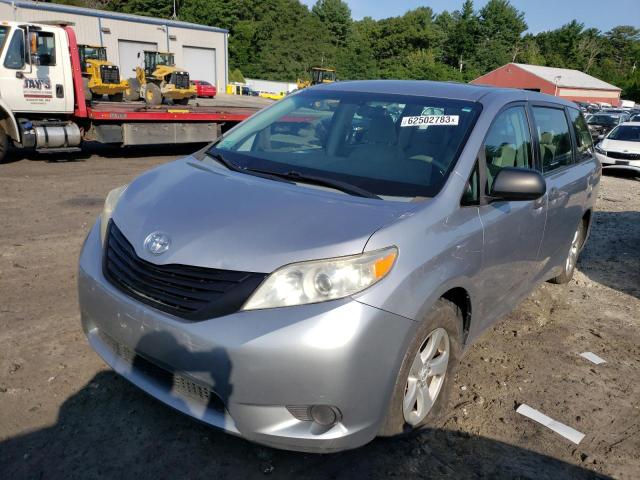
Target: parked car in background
x=603, y=122
x=312, y=278
x=249, y=91
x=620, y=149
x=205, y=89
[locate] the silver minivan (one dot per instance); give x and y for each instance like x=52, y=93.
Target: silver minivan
x=310, y=280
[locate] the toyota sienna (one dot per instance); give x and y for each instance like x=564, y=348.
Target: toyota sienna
x=311, y=279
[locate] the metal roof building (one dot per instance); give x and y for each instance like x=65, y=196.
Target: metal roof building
x=562, y=82
x=199, y=49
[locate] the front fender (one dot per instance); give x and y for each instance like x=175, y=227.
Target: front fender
x=8, y=121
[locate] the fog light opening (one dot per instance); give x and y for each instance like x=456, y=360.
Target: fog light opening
x=325, y=415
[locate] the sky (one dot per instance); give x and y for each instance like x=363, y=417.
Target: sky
x=540, y=15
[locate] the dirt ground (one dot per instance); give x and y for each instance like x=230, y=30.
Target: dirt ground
x=64, y=414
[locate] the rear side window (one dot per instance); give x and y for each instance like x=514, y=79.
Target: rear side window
x=46, y=48
x=554, y=137
x=583, y=137
x=508, y=143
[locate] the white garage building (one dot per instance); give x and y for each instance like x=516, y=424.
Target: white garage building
x=199, y=49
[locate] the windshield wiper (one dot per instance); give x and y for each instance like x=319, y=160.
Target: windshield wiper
x=294, y=176
x=328, y=182
x=217, y=156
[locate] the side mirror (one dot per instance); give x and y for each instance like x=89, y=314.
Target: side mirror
x=518, y=184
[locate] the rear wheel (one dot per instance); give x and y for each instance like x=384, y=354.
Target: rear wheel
x=152, y=94
x=96, y=96
x=116, y=97
x=181, y=101
x=132, y=93
x=572, y=257
x=423, y=385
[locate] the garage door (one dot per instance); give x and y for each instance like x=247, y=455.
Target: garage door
x=200, y=63
x=128, y=56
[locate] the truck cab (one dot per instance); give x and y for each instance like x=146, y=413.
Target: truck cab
x=35, y=69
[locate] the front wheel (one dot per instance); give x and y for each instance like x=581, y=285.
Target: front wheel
x=181, y=101
x=425, y=380
x=152, y=94
x=116, y=97
x=572, y=257
x=4, y=145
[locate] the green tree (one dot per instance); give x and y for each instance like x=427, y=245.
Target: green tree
x=336, y=16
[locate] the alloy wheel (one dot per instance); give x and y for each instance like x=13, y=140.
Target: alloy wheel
x=426, y=376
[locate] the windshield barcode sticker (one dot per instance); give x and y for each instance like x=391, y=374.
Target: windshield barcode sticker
x=429, y=120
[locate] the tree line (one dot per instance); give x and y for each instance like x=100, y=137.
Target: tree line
x=281, y=39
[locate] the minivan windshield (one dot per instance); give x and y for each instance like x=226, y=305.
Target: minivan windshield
x=386, y=144
x=626, y=133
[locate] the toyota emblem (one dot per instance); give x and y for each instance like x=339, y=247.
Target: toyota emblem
x=157, y=243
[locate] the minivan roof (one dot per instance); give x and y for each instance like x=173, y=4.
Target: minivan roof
x=452, y=90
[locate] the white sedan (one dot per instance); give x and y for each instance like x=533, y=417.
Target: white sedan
x=621, y=147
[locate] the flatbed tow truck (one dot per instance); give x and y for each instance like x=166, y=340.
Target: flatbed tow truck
x=43, y=106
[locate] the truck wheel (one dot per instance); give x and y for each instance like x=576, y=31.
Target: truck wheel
x=116, y=97
x=132, y=93
x=96, y=97
x=4, y=145
x=421, y=393
x=86, y=89
x=181, y=101
x=152, y=94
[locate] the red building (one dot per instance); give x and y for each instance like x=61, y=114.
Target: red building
x=561, y=82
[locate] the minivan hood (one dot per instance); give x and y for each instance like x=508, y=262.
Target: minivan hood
x=217, y=218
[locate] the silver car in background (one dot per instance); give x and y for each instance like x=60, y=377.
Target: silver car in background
x=311, y=280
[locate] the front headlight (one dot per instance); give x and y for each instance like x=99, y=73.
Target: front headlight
x=322, y=280
x=600, y=150
x=109, y=206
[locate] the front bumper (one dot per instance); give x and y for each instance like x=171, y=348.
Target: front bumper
x=240, y=371
x=615, y=163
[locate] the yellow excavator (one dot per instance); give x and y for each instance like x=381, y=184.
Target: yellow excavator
x=160, y=79
x=318, y=75
x=100, y=77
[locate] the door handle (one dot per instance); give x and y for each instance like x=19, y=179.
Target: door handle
x=59, y=91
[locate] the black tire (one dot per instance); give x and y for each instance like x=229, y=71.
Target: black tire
x=116, y=97
x=132, y=93
x=181, y=101
x=152, y=94
x=4, y=145
x=568, y=268
x=96, y=97
x=86, y=89
x=446, y=315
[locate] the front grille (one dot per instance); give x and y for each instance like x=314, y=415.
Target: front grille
x=109, y=74
x=192, y=293
x=624, y=156
x=180, y=79
x=170, y=381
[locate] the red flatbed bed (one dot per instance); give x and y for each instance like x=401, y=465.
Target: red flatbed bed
x=139, y=111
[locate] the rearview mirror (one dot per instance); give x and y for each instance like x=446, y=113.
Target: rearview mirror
x=518, y=184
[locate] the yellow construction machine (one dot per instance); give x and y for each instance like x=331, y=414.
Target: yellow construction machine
x=318, y=75
x=160, y=79
x=100, y=77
